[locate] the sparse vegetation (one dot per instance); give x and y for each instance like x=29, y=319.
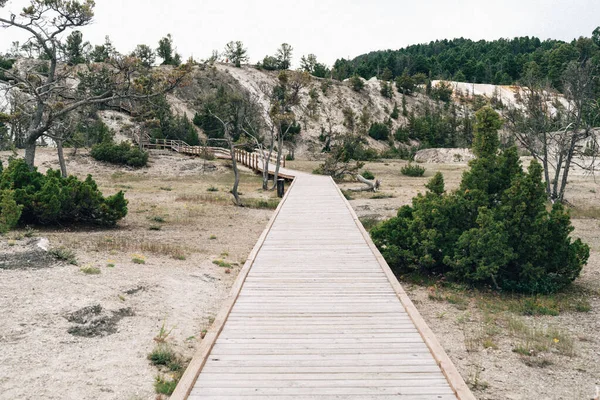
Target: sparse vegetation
x=221, y=263
x=268, y=204
x=165, y=386
x=111, y=243
x=64, y=254
x=368, y=222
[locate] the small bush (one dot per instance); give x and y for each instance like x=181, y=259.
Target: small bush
x=356, y=82
x=395, y=112
x=123, y=154
x=90, y=270
x=402, y=135
x=51, y=199
x=161, y=355
x=64, y=254
x=368, y=175
x=379, y=131
x=412, y=170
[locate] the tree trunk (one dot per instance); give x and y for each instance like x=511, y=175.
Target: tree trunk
x=236, y=174
x=545, y=165
x=61, y=158
x=267, y=160
x=279, y=152
x=265, y=170
x=563, y=184
x=30, y=152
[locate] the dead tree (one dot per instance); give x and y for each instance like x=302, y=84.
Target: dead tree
x=559, y=132
x=371, y=186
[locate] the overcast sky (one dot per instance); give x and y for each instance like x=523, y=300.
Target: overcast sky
x=331, y=29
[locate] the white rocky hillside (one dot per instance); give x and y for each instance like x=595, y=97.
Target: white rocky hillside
x=508, y=94
x=368, y=105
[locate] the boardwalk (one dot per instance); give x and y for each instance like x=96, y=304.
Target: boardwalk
x=317, y=314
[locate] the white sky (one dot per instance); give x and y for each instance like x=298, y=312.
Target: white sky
x=330, y=29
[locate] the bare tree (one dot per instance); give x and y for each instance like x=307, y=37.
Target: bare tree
x=284, y=97
x=253, y=131
x=227, y=128
x=237, y=114
x=557, y=130
x=54, y=89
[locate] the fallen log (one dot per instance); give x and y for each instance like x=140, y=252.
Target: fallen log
x=372, y=186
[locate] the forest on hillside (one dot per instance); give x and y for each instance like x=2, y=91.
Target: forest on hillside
x=501, y=61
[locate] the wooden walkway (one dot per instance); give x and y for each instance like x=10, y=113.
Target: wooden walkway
x=317, y=314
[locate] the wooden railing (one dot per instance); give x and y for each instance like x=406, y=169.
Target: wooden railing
x=251, y=160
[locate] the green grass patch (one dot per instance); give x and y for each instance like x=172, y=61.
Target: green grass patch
x=164, y=386
x=380, y=195
x=161, y=355
x=90, y=270
x=222, y=263
x=268, y=204
x=138, y=259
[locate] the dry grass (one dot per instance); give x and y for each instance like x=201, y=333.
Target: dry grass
x=585, y=212
x=204, y=198
x=119, y=243
x=533, y=339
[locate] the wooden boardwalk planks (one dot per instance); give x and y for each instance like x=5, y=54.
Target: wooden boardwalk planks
x=317, y=314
